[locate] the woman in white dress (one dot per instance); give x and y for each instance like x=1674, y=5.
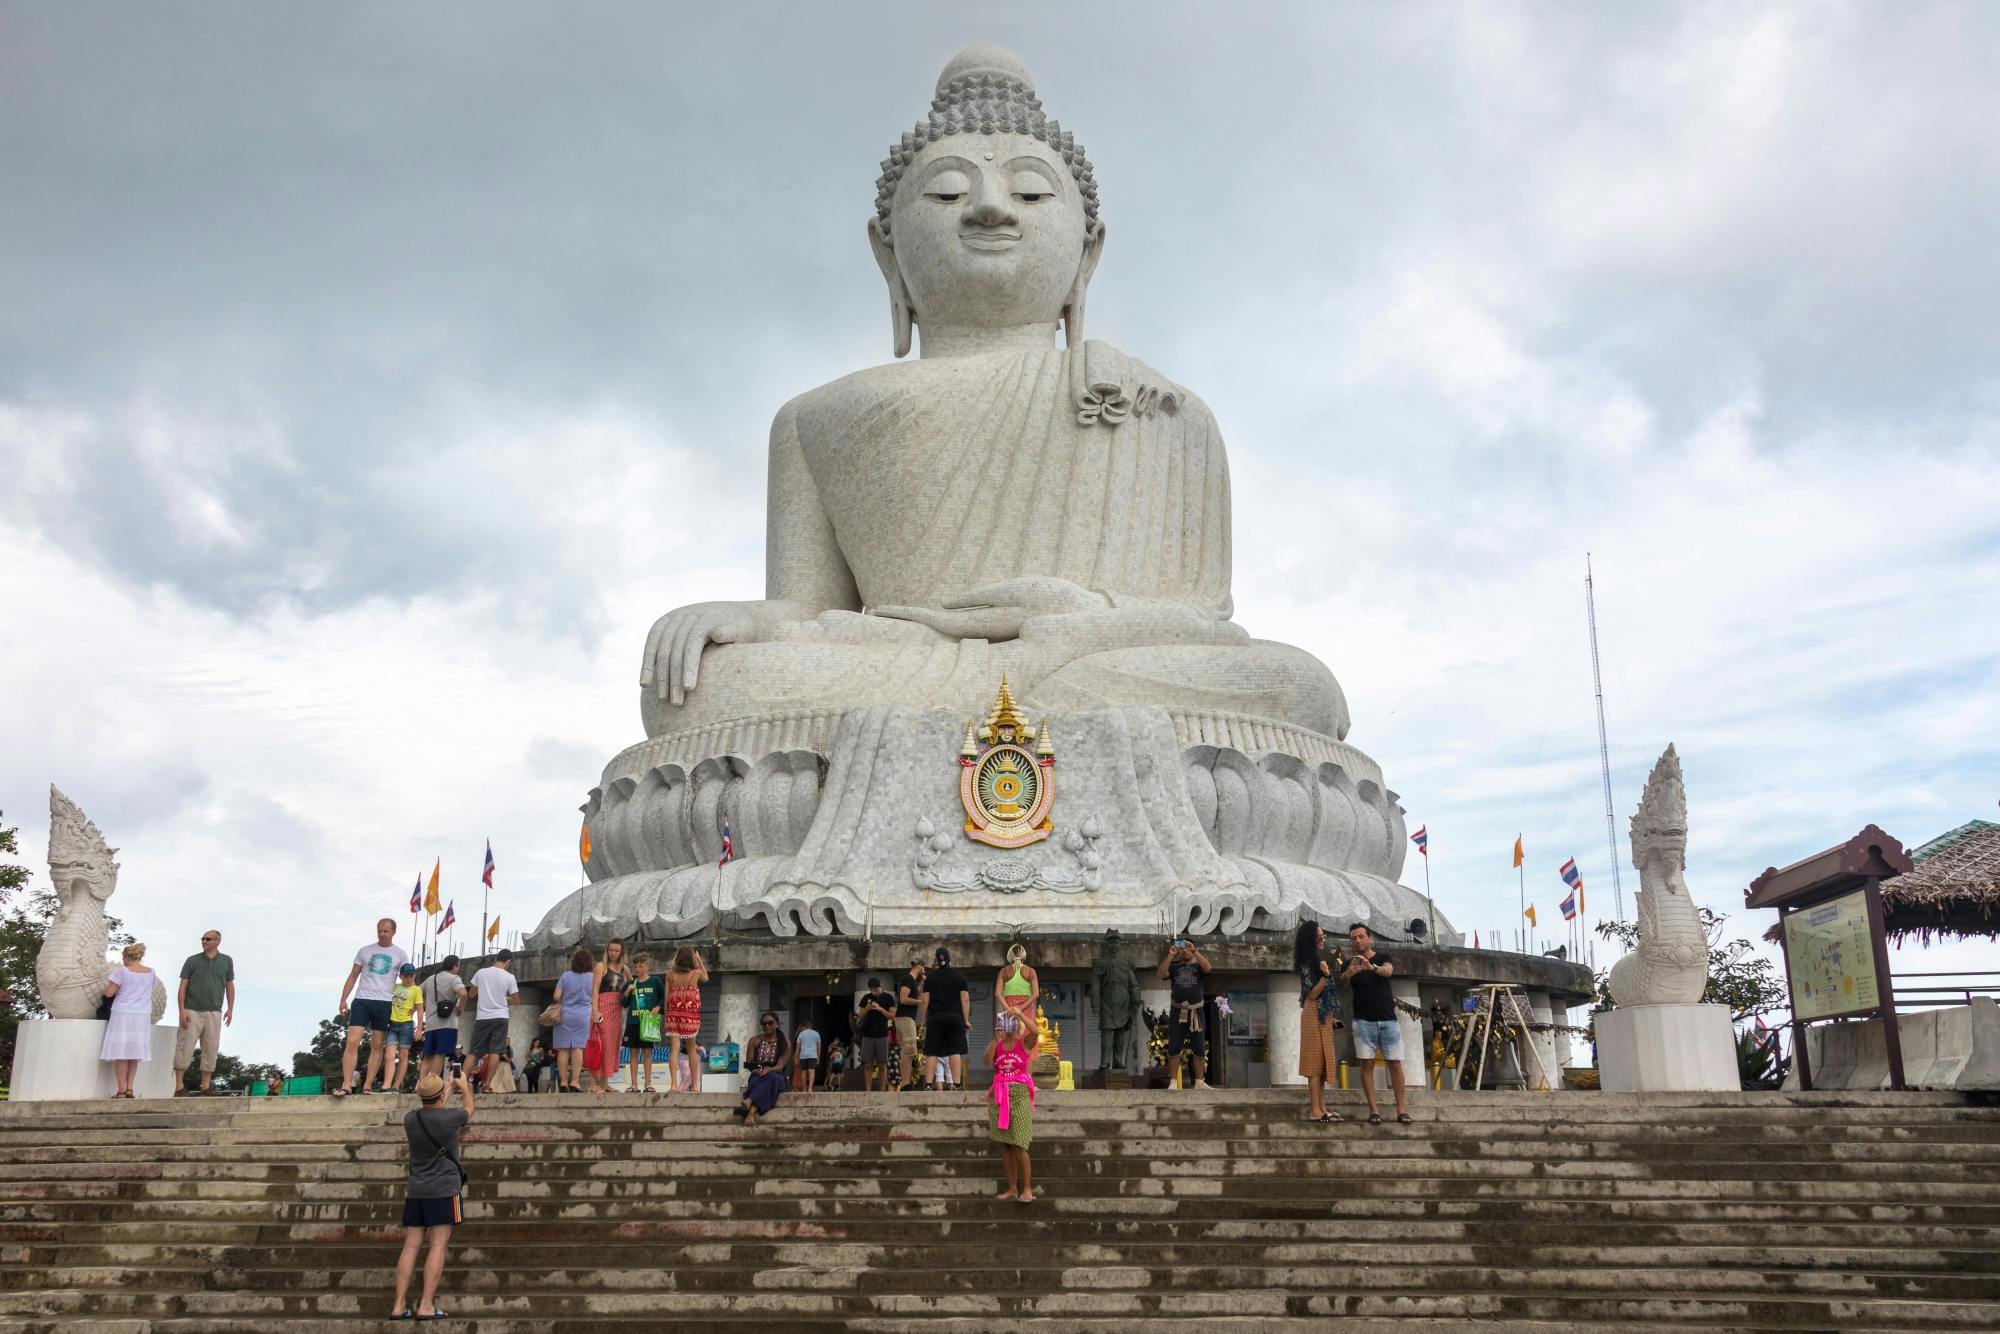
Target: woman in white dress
x=128, y=1038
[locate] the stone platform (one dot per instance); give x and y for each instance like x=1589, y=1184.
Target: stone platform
x=1187, y=1212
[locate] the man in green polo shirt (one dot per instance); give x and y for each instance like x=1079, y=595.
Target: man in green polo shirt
x=208, y=1004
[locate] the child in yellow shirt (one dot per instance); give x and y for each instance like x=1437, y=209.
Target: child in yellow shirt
x=406, y=1028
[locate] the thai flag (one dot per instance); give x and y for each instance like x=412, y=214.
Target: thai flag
x=417, y=896
x=728, y=847
x=449, y=918
x=1570, y=876
x=487, y=875
x=1422, y=839
x=1569, y=908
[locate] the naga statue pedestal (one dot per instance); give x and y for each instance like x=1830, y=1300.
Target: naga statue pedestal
x=55, y=1060
x=1667, y=1049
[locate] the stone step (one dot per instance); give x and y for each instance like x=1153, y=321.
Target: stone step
x=197, y=1242
x=797, y=1309
x=700, y=1260
x=386, y=1143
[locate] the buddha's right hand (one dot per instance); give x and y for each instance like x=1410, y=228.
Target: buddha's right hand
x=672, y=664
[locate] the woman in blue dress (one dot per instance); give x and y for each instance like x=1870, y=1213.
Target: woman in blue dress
x=576, y=992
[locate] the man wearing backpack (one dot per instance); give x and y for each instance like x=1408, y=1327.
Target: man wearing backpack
x=442, y=992
x=432, y=1200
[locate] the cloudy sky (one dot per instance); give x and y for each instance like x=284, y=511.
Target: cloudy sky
x=372, y=377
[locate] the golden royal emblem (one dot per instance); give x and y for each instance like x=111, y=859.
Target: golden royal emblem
x=1007, y=789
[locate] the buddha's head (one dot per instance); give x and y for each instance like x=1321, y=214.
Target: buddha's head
x=986, y=213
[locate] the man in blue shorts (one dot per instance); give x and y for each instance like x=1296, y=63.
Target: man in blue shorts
x=433, y=1202
x=443, y=994
x=1377, y=1031
x=371, y=981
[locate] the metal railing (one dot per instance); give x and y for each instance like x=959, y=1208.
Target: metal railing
x=1958, y=993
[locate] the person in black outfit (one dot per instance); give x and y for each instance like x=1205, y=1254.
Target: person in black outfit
x=1377, y=1032
x=1183, y=969
x=877, y=1008
x=909, y=988
x=945, y=1011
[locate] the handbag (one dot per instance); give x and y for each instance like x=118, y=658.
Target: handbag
x=551, y=1016
x=651, y=1029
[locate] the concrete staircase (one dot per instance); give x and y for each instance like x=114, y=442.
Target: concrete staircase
x=1188, y=1211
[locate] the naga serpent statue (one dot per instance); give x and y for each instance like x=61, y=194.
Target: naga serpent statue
x=1670, y=966
x=71, y=970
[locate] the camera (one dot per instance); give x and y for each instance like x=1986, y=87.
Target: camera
x=457, y=1066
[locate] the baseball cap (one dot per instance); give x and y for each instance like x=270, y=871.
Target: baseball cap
x=408, y=968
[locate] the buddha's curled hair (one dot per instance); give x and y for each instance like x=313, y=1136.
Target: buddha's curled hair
x=985, y=103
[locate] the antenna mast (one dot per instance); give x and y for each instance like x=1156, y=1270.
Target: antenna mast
x=1603, y=747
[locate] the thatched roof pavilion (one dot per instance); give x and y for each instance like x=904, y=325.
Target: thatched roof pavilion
x=1954, y=889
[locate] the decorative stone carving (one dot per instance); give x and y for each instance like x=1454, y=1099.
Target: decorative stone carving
x=1009, y=874
x=1670, y=965
x=71, y=970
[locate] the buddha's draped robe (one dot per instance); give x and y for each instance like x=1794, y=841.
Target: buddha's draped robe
x=942, y=476
x=979, y=471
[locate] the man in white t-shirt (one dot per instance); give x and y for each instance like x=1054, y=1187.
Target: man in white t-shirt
x=497, y=989
x=371, y=981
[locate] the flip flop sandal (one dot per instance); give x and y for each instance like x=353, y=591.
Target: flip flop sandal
x=1374, y=1118
x=1403, y=1118
x=434, y=1315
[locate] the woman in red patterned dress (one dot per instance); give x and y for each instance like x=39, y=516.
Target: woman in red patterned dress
x=683, y=1021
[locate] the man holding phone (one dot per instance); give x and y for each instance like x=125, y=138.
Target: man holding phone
x=1377, y=1031
x=1183, y=969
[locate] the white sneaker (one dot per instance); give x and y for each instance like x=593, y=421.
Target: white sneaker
x=1204, y=1085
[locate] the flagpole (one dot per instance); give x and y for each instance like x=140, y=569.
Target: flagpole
x=1430, y=904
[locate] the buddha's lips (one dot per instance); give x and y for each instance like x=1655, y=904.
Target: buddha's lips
x=989, y=240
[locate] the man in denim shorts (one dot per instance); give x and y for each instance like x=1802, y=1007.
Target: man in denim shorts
x=1377, y=1032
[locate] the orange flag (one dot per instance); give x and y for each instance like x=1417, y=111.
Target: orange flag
x=1519, y=856
x=431, y=903
x=583, y=843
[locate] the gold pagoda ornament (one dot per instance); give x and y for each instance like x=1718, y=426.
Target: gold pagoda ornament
x=1007, y=788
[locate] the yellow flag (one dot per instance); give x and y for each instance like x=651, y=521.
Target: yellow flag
x=583, y=843
x=1530, y=915
x=431, y=903
x=493, y=932
x=1519, y=856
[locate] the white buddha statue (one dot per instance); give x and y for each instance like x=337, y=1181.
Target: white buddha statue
x=1015, y=503
x=1002, y=503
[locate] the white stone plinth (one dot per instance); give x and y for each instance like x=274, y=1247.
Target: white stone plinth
x=56, y=1059
x=737, y=1009
x=1281, y=1007
x=1667, y=1049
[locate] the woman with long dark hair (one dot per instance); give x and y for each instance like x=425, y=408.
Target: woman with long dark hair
x=1319, y=1015
x=767, y=1061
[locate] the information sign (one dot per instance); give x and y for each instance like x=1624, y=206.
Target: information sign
x=1831, y=956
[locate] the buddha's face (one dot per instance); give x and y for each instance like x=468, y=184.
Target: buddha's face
x=988, y=231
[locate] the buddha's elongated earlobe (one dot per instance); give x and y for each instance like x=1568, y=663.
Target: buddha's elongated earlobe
x=900, y=314
x=1072, y=313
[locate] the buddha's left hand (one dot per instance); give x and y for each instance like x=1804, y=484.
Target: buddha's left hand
x=998, y=611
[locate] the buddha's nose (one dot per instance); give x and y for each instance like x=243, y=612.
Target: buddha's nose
x=991, y=206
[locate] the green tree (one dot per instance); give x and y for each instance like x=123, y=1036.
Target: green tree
x=1738, y=976
x=322, y=1057
x=233, y=1075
